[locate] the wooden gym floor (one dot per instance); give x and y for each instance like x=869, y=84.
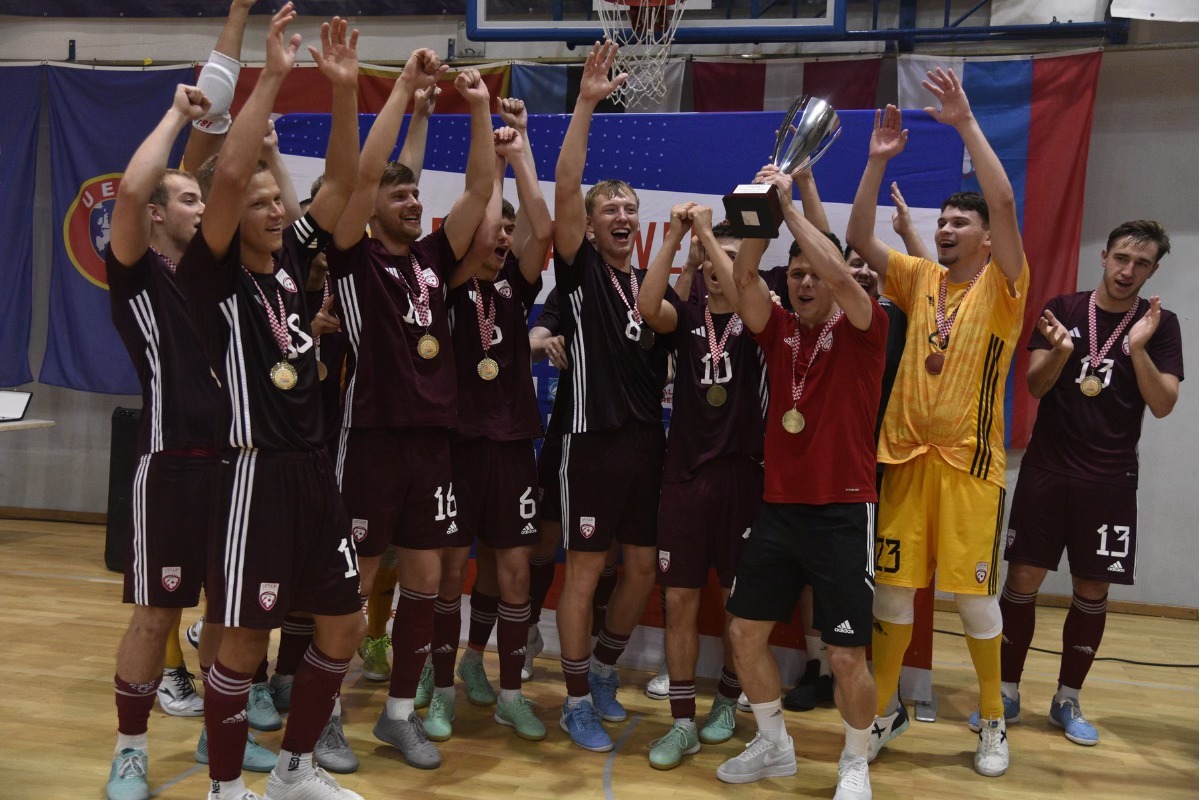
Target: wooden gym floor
x=61, y=618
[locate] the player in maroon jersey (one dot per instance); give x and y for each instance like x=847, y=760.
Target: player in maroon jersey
x=1097, y=360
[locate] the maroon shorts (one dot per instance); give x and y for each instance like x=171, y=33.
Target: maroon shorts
x=704, y=522
x=496, y=484
x=397, y=489
x=286, y=544
x=1095, y=522
x=610, y=484
x=548, y=465
x=175, y=499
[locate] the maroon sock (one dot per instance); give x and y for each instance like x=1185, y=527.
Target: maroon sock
x=410, y=641
x=483, y=618
x=1020, y=615
x=294, y=638
x=600, y=598
x=729, y=686
x=317, y=685
x=541, y=578
x=225, y=695
x=260, y=674
x=576, y=675
x=683, y=699
x=609, y=646
x=511, y=632
x=447, y=627
x=1082, y=633
x=134, y=703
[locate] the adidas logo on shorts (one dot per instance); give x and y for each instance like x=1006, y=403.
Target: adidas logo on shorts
x=528, y=530
x=452, y=529
x=1116, y=567
x=844, y=628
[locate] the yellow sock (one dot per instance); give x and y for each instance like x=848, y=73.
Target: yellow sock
x=985, y=655
x=379, y=604
x=888, y=645
x=174, y=656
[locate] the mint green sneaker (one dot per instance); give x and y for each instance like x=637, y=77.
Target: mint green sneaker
x=479, y=691
x=518, y=714
x=440, y=717
x=127, y=777
x=424, y=687
x=255, y=758
x=373, y=652
x=718, y=725
x=667, y=752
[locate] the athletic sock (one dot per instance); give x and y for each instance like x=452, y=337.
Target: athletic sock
x=889, y=642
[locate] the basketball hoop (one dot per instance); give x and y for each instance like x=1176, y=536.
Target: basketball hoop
x=644, y=30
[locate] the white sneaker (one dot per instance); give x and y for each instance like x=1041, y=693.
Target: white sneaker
x=991, y=755
x=762, y=758
x=533, y=648
x=192, y=634
x=854, y=783
x=237, y=794
x=317, y=785
x=886, y=728
x=659, y=687
x=743, y=703
x=177, y=694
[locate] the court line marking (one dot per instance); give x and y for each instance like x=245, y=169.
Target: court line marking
x=186, y=774
x=612, y=757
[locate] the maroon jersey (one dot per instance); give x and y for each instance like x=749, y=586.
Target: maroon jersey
x=183, y=407
x=392, y=386
x=505, y=408
x=700, y=431
x=331, y=351
x=549, y=316
x=1096, y=437
x=832, y=460
x=226, y=303
x=613, y=379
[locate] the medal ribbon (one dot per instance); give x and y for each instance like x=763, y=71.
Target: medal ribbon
x=1096, y=356
x=714, y=348
x=487, y=324
x=944, y=325
x=633, y=289
x=278, y=325
x=170, y=264
x=419, y=298
x=794, y=343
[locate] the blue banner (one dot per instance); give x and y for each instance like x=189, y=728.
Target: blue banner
x=97, y=120
x=209, y=8
x=21, y=89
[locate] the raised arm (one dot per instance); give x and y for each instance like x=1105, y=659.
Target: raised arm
x=687, y=273
x=274, y=162
x=535, y=229
x=570, y=215
x=338, y=62
x=887, y=141
x=242, y=147
x=218, y=80
x=483, y=244
x=652, y=305
x=703, y=229
x=810, y=199
x=412, y=154
x=1160, y=390
x=747, y=292
x=1005, y=231
x=468, y=210
x=1046, y=365
x=902, y=224
x=129, y=234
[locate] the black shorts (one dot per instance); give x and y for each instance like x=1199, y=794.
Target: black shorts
x=610, y=485
x=1096, y=523
x=829, y=546
x=547, y=466
x=496, y=485
x=705, y=521
x=396, y=484
x=286, y=544
x=175, y=503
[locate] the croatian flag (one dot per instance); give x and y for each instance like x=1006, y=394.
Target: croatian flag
x=1036, y=112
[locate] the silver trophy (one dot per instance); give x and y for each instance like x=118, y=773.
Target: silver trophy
x=753, y=209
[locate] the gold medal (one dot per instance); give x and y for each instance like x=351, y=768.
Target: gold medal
x=716, y=395
x=428, y=347
x=793, y=421
x=488, y=369
x=322, y=371
x=284, y=376
x=1091, y=385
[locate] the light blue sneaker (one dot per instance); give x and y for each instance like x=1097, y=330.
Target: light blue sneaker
x=256, y=758
x=424, y=687
x=582, y=724
x=260, y=709
x=1012, y=713
x=604, y=695
x=1068, y=716
x=127, y=777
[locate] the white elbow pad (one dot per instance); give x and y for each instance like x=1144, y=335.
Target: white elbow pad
x=217, y=80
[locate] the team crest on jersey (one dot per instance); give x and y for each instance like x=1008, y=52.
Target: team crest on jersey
x=171, y=578
x=1125, y=345
x=587, y=527
x=503, y=288
x=736, y=326
x=87, y=225
x=981, y=571
x=286, y=281
x=664, y=560
x=268, y=595
x=430, y=278
x=827, y=341
x=358, y=528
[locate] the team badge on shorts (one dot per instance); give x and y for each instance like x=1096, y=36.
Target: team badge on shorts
x=358, y=528
x=87, y=225
x=503, y=288
x=981, y=571
x=268, y=595
x=587, y=527
x=664, y=560
x=1012, y=537
x=171, y=578
x=286, y=281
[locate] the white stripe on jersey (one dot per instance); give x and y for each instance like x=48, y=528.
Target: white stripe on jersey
x=240, y=432
x=352, y=316
x=138, y=567
x=143, y=313
x=578, y=366
x=763, y=384
x=236, y=532
x=564, y=495
x=343, y=438
x=871, y=541
x=304, y=231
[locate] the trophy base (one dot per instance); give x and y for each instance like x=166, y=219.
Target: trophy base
x=753, y=211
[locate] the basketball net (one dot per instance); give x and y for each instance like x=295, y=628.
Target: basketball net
x=643, y=30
